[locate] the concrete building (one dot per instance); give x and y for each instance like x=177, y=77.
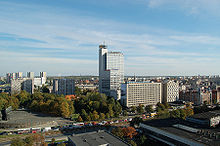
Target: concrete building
x=19, y=75
x=22, y=84
x=210, y=119
x=10, y=76
x=190, y=96
x=170, y=91
x=16, y=86
x=39, y=81
x=111, y=72
x=30, y=75
x=218, y=94
x=96, y=138
x=180, y=132
x=64, y=86
x=145, y=93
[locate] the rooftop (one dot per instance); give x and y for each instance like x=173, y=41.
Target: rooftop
x=202, y=137
x=206, y=115
x=96, y=138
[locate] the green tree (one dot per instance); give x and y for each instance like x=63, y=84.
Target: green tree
x=17, y=142
x=84, y=114
x=182, y=114
x=29, y=140
x=125, y=113
x=102, y=116
x=133, y=109
x=118, y=132
x=79, y=119
x=149, y=109
x=140, y=109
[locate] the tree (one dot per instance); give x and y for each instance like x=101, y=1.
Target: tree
x=102, y=116
x=107, y=116
x=83, y=114
x=45, y=89
x=64, y=109
x=129, y=132
x=142, y=140
x=160, y=107
x=29, y=140
x=167, y=106
x=175, y=114
x=95, y=116
x=149, y=109
x=125, y=113
x=133, y=109
x=79, y=119
x=17, y=142
x=140, y=109
x=118, y=132
x=182, y=114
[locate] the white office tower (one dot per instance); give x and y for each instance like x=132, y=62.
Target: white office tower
x=111, y=72
x=170, y=91
x=30, y=75
x=144, y=93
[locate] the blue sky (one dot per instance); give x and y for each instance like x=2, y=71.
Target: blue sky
x=157, y=37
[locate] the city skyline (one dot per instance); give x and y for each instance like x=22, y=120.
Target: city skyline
x=157, y=37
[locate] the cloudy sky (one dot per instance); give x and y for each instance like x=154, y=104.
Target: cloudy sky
x=157, y=37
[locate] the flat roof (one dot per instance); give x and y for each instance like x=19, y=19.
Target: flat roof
x=167, y=125
x=206, y=115
x=96, y=138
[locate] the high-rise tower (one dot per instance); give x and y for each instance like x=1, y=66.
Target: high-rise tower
x=111, y=72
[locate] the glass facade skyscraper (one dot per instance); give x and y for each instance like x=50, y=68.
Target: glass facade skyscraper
x=111, y=72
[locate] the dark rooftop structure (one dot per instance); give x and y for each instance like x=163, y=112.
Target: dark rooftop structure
x=95, y=138
x=210, y=119
x=181, y=132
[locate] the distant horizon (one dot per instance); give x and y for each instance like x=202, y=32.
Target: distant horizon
x=157, y=37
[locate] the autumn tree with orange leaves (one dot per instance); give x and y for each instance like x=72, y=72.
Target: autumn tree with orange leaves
x=129, y=132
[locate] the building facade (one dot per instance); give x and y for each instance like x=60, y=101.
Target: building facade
x=22, y=84
x=64, y=86
x=170, y=91
x=144, y=93
x=30, y=75
x=218, y=94
x=111, y=72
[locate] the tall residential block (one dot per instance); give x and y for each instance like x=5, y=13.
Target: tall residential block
x=111, y=72
x=22, y=84
x=144, y=93
x=170, y=91
x=64, y=86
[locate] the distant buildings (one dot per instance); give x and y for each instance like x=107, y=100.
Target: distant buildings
x=170, y=91
x=30, y=75
x=218, y=94
x=144, y=93
x=111, y=72
x=64, y=86
x=22, y=84
x=18, y=82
